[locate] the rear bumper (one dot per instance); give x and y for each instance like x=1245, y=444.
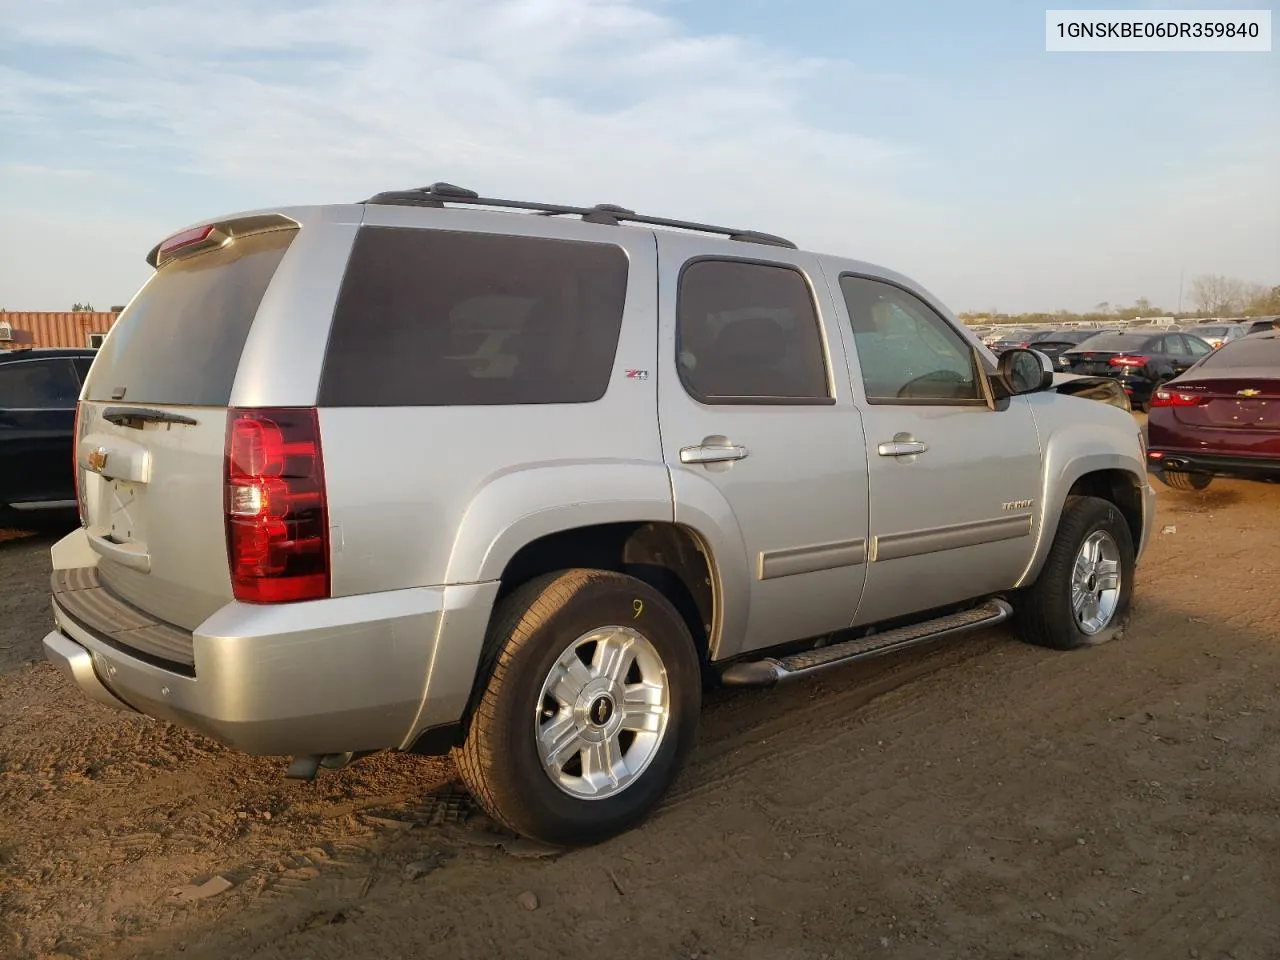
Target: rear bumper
x=329, y=676
x=1221, y=466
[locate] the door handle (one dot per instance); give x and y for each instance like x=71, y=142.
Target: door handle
x=901, y=448
x=712, y=453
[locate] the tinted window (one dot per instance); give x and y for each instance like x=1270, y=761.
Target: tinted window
x=82, y=365
x=906, y=350
x=438, y=318
x=180, y=340
x=749, y=331
x=1253, y=352
x=1116, y=343
x=1174, y=345
x=38, y=385
x=1196, y=347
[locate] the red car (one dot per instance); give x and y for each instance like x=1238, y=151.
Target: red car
x=1220, y=418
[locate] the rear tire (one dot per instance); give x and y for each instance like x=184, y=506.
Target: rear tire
x=1072, y=603
x=588, y=710
x=1184, y=480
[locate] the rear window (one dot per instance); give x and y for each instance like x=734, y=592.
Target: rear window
x=449, y=318
x=1248, y=352
x=1114, y=343
x=180, y=340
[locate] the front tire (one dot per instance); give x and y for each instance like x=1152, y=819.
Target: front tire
x=588, y=711
x=1082, y=595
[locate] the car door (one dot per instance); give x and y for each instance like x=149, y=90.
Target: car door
x=954, y=484
x=761, y=437
x=37, y=417
x=1174, y=350
x=1196, y=348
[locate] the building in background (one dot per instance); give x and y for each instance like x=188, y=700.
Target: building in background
x=79, y=328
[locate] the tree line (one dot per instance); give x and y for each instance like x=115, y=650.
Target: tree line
x=1210, y=294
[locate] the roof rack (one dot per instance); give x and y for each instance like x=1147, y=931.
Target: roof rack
x=439, y=194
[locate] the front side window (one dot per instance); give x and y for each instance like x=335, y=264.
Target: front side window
x=38, y=385
x=749, y=333
x=907, y=352
x=1196, y=347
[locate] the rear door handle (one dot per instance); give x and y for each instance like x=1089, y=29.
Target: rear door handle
x=901, y=448
x=712, y=453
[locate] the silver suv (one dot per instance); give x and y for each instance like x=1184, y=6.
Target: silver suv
x=516, y=481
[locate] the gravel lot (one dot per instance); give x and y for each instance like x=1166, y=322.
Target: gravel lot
x=978, y=799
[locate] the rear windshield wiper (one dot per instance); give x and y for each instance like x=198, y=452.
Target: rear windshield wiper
x=136, y=416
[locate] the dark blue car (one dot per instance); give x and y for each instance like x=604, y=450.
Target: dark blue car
x=38, y=393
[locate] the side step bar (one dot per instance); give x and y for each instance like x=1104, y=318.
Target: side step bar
x=767, y=672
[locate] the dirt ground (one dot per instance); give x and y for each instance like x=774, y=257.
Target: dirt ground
x=981, y=799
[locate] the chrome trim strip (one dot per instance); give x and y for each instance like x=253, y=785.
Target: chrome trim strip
x=822, y=556
x=895, y=546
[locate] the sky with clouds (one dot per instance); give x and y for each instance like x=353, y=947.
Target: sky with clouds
x=937, y=138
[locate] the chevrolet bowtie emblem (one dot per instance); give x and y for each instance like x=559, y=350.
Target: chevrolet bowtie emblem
x=97, y=459
x=1250, y=392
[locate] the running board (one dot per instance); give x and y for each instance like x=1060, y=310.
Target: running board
x=767, y=672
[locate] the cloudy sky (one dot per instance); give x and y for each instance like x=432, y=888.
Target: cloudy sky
x=938, y=138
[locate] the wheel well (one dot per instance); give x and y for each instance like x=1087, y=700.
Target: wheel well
x=670, y=558
x=1118, y=486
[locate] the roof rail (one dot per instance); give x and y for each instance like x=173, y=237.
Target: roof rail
x=439, y=194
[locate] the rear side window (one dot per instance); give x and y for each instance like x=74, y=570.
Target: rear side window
x=38, y=385
x=1259, y=352
x=448, y=318
x=180, y=340
x=749, y=333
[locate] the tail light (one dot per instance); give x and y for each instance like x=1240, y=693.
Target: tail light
x=277, y=514
x=1171, y=398
x=1128, y=360
x=75, y=466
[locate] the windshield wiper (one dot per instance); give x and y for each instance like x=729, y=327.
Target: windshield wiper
x=136, y=416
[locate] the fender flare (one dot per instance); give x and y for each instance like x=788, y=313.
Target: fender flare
x=1073, y=452
x=514, y=508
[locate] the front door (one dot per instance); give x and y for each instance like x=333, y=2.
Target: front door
x=762, y=439
x=954, y=484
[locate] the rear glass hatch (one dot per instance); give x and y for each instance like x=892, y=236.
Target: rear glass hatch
x=151, y=440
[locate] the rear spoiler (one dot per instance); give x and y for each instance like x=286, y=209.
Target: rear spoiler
x=210, y=236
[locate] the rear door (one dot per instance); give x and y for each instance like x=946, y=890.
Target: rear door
x=37, y=412
x=754, y=417
x=153, y=427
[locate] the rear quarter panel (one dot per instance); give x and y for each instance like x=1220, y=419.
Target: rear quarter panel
x=422, y=496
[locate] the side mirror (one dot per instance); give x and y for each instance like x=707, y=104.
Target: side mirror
x=1024, y=371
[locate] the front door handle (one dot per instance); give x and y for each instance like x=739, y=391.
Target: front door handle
x=901, y=448
x=712, y=453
